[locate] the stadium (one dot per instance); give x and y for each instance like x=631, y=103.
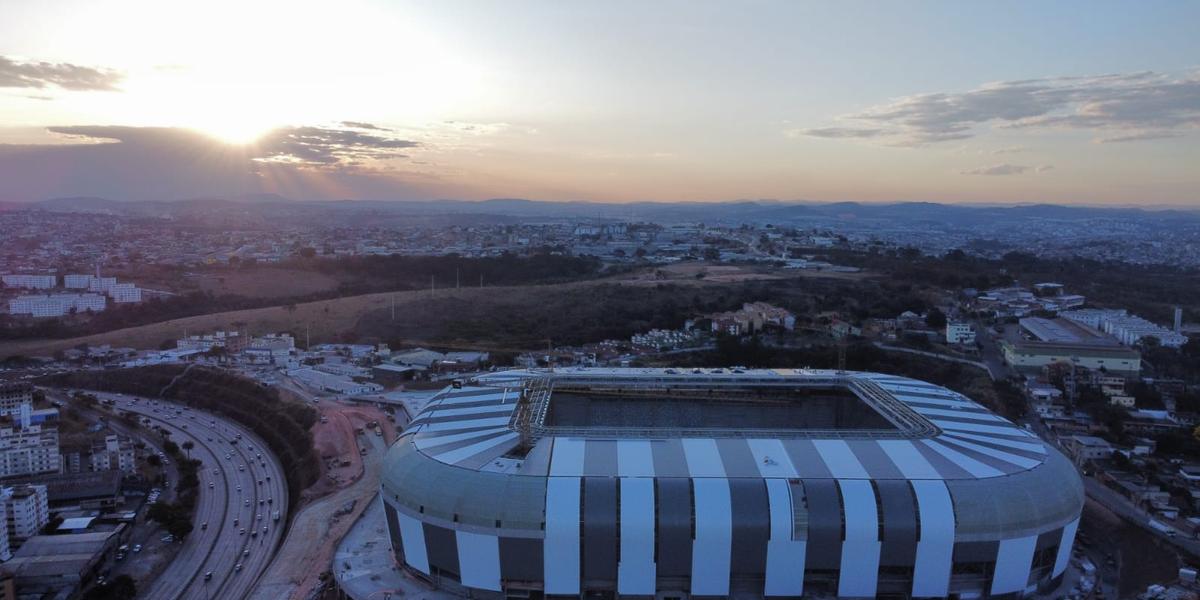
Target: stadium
x=725, y=482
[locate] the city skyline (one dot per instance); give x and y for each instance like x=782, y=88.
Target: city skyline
x=1019, y=103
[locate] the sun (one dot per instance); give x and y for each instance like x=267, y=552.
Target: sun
x=235, y=132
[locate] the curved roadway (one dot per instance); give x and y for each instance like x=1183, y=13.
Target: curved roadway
x=221, y=546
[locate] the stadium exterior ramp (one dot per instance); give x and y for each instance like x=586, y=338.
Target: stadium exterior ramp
x=637, y=489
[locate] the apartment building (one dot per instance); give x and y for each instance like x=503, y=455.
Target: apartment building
x=30, y=282
x=28, y=450
x=75, y=281
x=124, y=293
x=960, y=333
x=27, y=510
x=55, y=305
x=113, y=453
x=13, y=395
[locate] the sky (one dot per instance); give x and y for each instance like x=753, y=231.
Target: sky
x=1093, y=103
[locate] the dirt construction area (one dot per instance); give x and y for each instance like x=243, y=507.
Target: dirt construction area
x=350, y=453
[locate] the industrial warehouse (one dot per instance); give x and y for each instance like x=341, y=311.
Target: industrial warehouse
x=725, y=482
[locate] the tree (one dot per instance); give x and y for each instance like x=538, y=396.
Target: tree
x=121, y=587
x=935, y=319
x=187, y=446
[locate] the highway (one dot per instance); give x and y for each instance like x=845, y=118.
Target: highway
x=235, y=505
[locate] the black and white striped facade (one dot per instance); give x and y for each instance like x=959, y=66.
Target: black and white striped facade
x=974, y=506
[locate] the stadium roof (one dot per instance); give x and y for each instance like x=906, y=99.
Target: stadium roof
x=465, y=455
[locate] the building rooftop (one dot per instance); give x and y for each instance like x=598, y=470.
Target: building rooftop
x=1065, y=331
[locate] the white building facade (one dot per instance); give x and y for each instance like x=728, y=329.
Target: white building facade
x=31, y=282
x=27, y=510
x=960, y=333
x=30, y=450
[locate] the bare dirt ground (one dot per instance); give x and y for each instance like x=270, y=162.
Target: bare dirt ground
x=702, y=273
x=1142, y=558
x=328, y=320
x=330, y=507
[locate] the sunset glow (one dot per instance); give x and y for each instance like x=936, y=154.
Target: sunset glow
x=633, y=101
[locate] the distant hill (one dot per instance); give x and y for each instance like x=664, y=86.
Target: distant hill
x=268, y=209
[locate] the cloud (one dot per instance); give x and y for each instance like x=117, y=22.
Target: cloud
x=1000, y=169
x=1010, y=150
x=1127, y=107
x=1138, y=137
x=315, y=147
x=1043, y=168
x=40, y=75
x=362, y=125
x=837, y=132
x=162, y=163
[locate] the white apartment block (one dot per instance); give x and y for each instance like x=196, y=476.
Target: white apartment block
x=27, y=511
x=56, y=305
x=114, y=453
x=125, y=292
x=960, y=333
x=32, y=282
x=101, y=284
x=76, y=281
x=31, y=450
x=1128, y=329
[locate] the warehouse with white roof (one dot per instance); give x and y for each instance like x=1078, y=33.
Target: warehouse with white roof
x=718, y=482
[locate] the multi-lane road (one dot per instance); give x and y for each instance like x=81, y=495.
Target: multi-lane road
x=241, y=487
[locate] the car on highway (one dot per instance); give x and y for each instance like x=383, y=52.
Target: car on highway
x=210, y=485
x=137, y=548
x=208, y=576
x=242, y=531
x=204, y=526
x=237, y=567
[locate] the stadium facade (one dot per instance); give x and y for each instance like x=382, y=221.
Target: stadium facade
x=737, y=483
